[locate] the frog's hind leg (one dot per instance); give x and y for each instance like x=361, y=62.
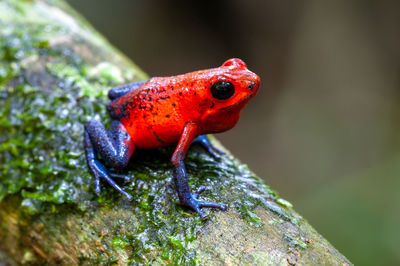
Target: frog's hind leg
x=115, y=148
x=204, y=141
x=119, y=91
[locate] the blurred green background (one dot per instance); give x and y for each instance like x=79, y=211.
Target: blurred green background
x=324, y=128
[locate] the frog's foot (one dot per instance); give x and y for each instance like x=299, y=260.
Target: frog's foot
x=196, y=205
x=100, y=172
x=211, y=149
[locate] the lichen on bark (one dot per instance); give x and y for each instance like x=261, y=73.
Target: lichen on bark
x=55, y=71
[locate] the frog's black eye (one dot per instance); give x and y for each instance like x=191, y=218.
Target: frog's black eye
x=222, y=90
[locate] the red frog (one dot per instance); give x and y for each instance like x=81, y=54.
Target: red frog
x=178, y=110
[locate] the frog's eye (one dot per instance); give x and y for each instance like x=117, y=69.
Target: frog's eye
x=222, y=90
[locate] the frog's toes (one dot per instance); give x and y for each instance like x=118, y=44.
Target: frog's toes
x=220, y=206
x=97, y=189
x=215, y=155
x=218, y=150
x=126, y=178
x=215, y=152
x=202, y=215
x=202, y=204
x=128, y=197
x=107, y=177
x=198, y=192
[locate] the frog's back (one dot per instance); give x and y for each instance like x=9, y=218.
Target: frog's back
x=152, y=113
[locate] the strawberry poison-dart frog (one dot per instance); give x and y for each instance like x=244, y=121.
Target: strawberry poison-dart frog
x=162, y=111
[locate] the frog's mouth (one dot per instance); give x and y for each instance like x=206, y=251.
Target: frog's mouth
x=241, y=102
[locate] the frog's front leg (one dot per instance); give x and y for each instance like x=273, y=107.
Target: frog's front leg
x=115, y=148
x=185, y=196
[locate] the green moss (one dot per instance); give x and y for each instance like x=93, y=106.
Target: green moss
x=105, y=72
x=253, y=218
x=284, y=203
x=294, y=241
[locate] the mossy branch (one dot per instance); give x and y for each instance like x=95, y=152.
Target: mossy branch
x=55, y=71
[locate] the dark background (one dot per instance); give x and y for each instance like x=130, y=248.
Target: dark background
x=324, y=128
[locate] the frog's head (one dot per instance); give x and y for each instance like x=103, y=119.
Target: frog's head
x=230, y=87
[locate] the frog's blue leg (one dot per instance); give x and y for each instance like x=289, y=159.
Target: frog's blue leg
x=204, y=141
x=117, y=92
x=115, y=148
x=182, y=186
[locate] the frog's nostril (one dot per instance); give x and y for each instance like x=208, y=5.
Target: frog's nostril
x=251, y=86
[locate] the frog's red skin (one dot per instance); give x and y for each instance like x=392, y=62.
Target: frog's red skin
x=156, y=113
x=169, y=110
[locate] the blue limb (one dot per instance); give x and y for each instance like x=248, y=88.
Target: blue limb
x=179, y=172
x=204, y=141
x=115, y=148
x=119, y=91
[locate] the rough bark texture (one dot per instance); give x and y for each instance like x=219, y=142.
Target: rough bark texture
x=55, y=71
